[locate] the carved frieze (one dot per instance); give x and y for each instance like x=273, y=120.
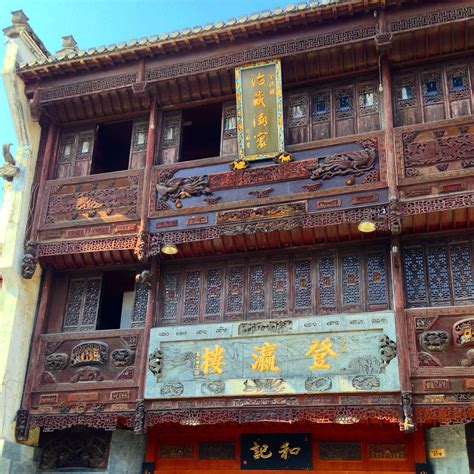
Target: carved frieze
x=340, y=451
x=436, y=151
x=463, y=333
x=139, y=420
x=388, y=350
x=87, y=374
x=264, y=212
x=387, y=451
x=155, y=362
x=116, y=197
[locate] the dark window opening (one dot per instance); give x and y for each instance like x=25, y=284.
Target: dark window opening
x=117, y=298
x=112, y=147
x=344, y=103
x=431, y=87
x=368, y=99
x=201, y=132
x=320, y=107
x=406, y=92
x=458, y=82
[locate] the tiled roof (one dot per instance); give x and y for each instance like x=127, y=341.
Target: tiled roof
x=186, y=33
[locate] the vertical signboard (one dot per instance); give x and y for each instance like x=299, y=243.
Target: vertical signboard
x=259, y=110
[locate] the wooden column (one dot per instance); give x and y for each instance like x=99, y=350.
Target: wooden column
x=149, y=322
x=39, y=329
x=49, y=152
x=141, y=249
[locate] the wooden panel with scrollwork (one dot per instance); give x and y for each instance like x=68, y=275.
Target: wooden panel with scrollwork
x=93, y=199
x=434, y=152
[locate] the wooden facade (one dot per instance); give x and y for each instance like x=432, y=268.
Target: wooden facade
x=138, y=139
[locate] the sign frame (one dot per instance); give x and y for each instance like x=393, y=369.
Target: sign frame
x=239, y=91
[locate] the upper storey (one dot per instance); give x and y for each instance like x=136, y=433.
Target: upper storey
x=143, y=134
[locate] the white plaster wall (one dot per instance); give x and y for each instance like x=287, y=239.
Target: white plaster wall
x=18, y=296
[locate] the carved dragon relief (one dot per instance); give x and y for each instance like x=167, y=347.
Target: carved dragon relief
x=177, y=189
x=353, y=163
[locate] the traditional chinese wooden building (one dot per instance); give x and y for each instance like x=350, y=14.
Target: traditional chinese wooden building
x=256, y=242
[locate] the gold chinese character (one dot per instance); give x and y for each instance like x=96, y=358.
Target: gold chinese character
x=271, y=84
x=320, y=351
x=261, y=139
x=260, y=451
x=213, y=361
x=262, y=119
x=260, y=80
x=285, y=450
x=258, y=99
x=265, y=361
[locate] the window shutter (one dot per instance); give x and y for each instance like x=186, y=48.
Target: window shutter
x=139, y=143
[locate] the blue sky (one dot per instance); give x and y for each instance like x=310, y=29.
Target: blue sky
x=102, y=22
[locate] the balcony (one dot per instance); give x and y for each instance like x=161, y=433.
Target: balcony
x=87, y=373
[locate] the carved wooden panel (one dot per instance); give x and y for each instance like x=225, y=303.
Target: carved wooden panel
x=432, y=93
x=229, y=129
x=170, y=137
x=297, y=117
x=75, y=152
x=94, y=198
x=139, y=142
x=334, y=281
x=439, y=273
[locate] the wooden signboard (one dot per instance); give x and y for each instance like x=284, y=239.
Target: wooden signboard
x=259, y=110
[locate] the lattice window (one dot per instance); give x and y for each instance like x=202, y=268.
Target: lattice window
x=415, y=276
x=432, y=87
x=321, y=106
x=351, y=281
x=303, y=284
x=280, y=286
x=192, y=291
x=331, y=282
x=214, y=285
x=140, y=305
x=327, y=283
x=377, y=289
x=235, y=290
x=171, y=296
x=439, y=274
x=458, y=82
x=257, y=288
x=82, y=304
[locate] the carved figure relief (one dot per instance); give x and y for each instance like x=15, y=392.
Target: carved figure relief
x=155, y=362
x=469, y=360
x=172, y=389
x=47, y=378
x=365, y=382
x=121, y=357
x=388, y=350
x=87, y=374
x=271, y=385
x=427, y=360
x=216, y=388
x=88, y=353
x=463, y=333
x=139, y=420
x=258, y=213
x=395, y=216
x=176, y=189
x=30, y=259
x=317, y=384
x=9, y=169
x=434, y=341
x=365, y=365
x=56, y=361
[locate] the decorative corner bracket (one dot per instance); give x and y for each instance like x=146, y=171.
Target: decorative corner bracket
x=30, y=259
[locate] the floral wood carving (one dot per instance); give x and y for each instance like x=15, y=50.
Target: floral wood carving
x=388, y=350
x=30, y=260
x=176, y=189
x=141, y=248
x=395, y=216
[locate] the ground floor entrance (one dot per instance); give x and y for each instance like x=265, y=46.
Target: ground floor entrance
x=282, y=447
